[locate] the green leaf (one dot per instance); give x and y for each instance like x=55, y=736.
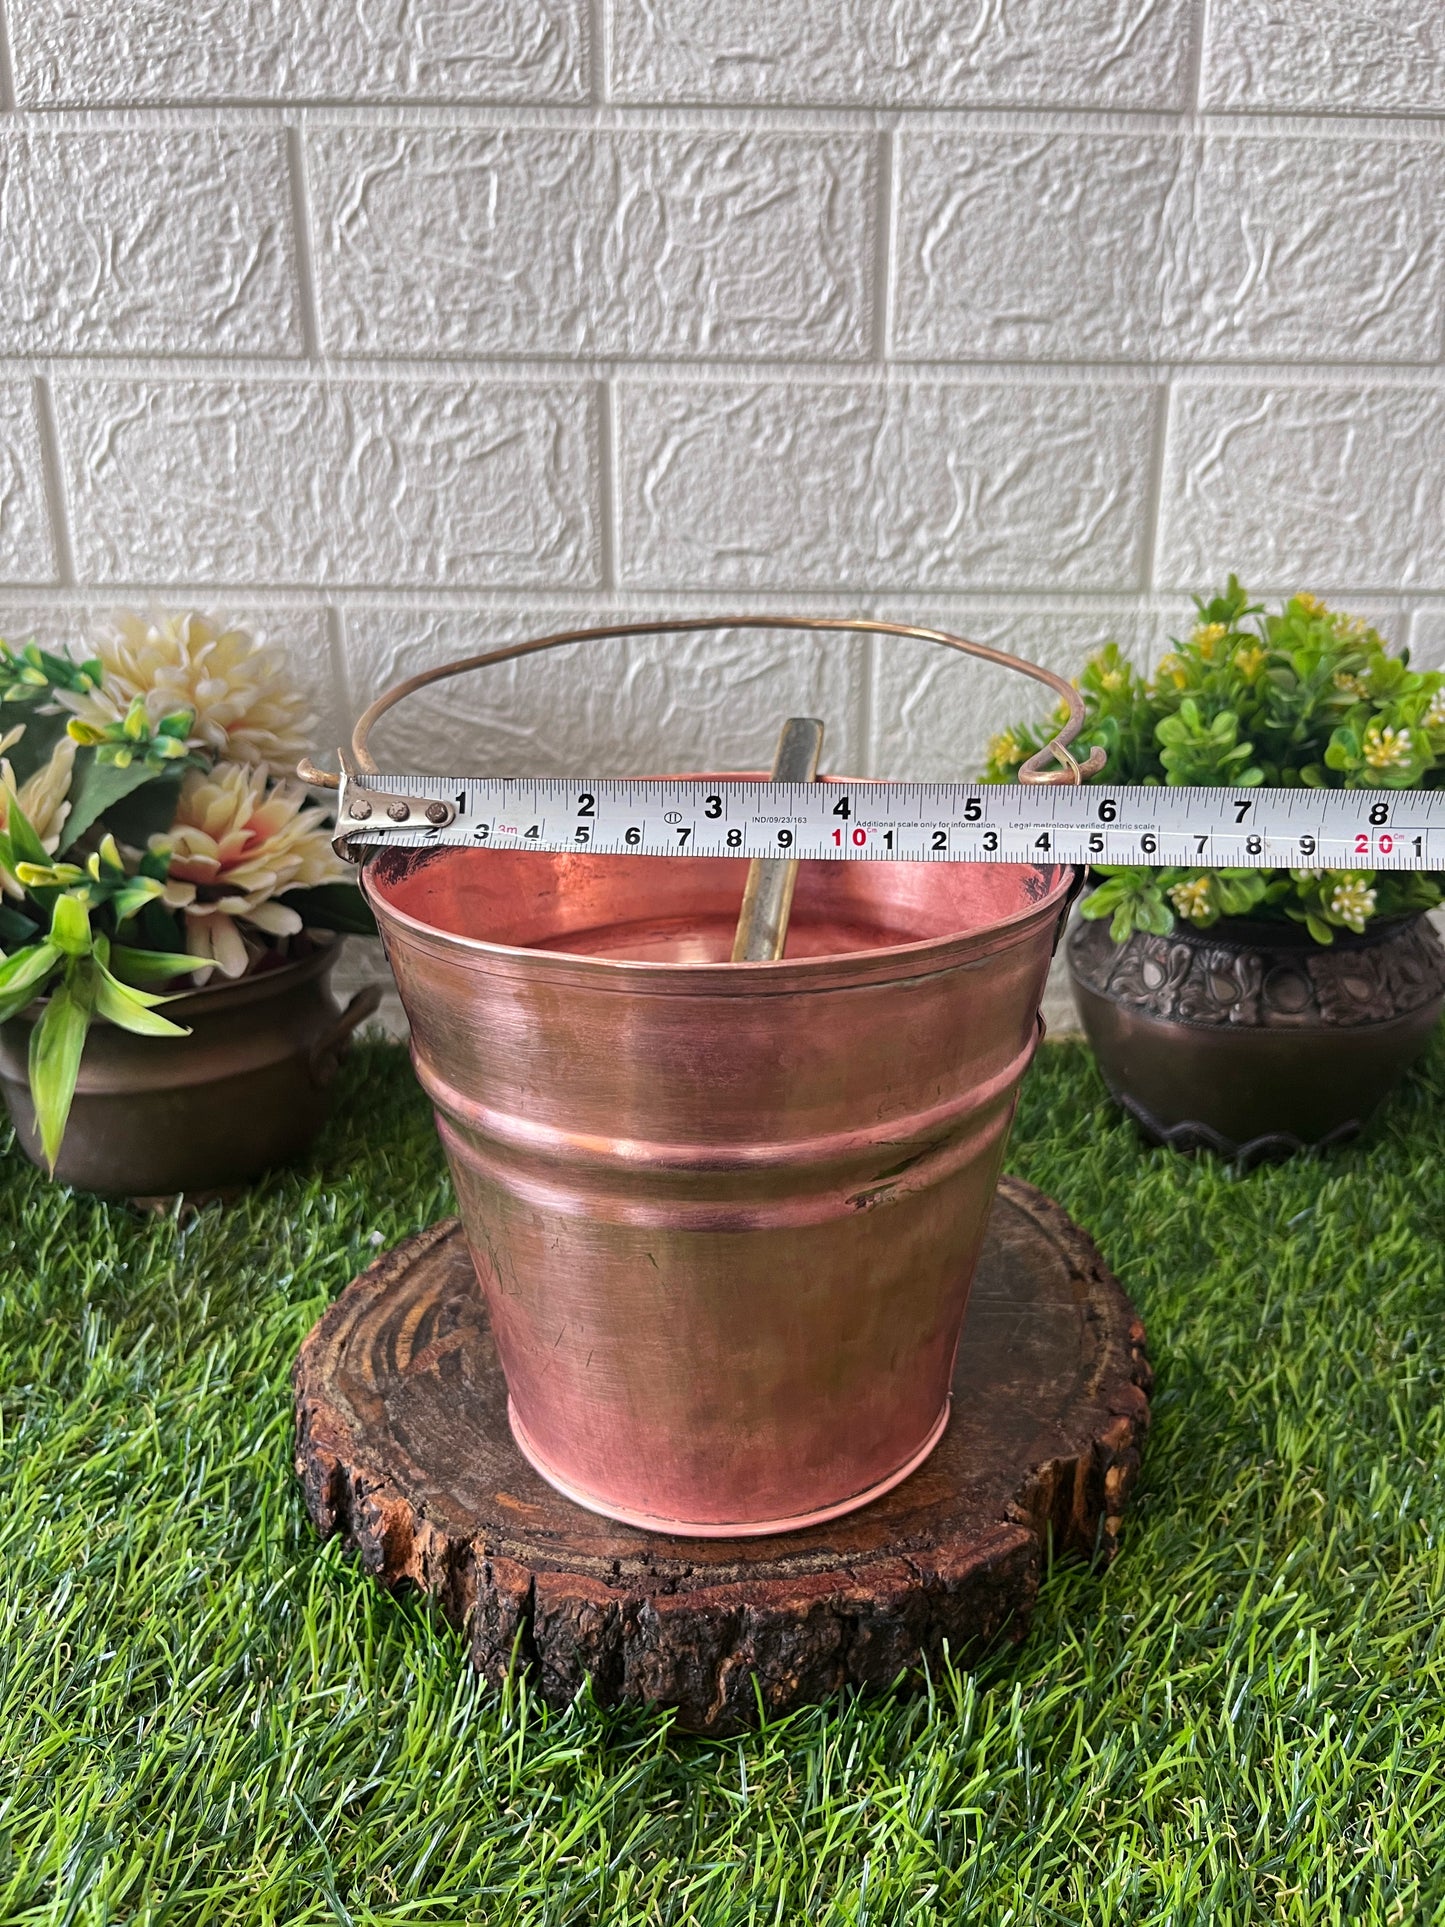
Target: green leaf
x=134, y=897
x=333, y=906
x=23, y=969
x=147, y=999
x=147, y=811
x=96, y=789
x=1154, y=914
x=25, y=845
x=33, y=750
x=70, y=925
x=106, y=857
x=11, y=1006
x=15, y=927
x=56, y=1046
x=132, y=1009
x=156, y=928
x=53, y=876
x=151, y=966
x=1107, y=896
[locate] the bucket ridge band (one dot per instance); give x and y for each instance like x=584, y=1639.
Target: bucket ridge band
x=532, y=1140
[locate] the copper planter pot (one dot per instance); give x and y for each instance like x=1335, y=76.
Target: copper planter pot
x=1251, y=1040
x=248, y=1089
x=725, y=1215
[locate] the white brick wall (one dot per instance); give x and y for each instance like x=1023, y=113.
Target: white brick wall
x=903, y=53
x=402, y=324
x=542, y=242
x=371, y=482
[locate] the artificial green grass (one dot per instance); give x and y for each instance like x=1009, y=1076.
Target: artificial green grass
x=205, y=1715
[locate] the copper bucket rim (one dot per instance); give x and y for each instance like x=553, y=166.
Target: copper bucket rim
x=843, y=967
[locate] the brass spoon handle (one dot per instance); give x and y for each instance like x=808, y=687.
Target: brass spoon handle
x=768, y=896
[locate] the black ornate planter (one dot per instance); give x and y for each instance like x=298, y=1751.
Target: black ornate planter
x=1251, y=1040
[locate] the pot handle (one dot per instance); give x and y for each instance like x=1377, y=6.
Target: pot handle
x=328, y=1050
x=1066, y=768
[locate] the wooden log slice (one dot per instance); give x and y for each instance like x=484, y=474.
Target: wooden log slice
x=402, y=1445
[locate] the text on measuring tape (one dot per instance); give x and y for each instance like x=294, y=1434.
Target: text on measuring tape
x=903, y=822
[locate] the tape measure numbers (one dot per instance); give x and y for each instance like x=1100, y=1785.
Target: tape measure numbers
x=852, y=822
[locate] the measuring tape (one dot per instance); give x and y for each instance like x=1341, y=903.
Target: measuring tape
x=857, y=821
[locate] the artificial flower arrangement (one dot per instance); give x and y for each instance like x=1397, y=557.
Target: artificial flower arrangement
x=1308, y=697
x=148, y=836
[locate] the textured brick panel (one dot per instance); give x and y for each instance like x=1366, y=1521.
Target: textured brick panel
x=909, y=53
x=1313, y=247
x=787, y=485
x=933, y=712
x=1427, y=638
x=1071, y=246
x=71, y=55
x=1298, y=487
x=1048, y=246
x=54, y=625
x=1349, y=56
x=169, y=240
x=26, y=551
x=363, y=483
x=634, y=707
x=544, y=241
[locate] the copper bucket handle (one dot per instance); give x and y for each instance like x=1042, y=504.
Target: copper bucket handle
x=1068, y=770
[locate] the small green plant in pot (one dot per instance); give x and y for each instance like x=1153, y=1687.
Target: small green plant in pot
x=169, y=907
x=1257, y=1011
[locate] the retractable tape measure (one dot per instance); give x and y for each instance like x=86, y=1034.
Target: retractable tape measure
x=853, y=821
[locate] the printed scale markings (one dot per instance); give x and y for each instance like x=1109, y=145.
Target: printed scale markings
x=847, y=820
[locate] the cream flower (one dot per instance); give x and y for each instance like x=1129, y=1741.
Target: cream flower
x=236, y=844
x=1387, y=748
x=44, y=798
x=246, y=708
x=1352, y=902
x=1434, y=717
x=1192, y=899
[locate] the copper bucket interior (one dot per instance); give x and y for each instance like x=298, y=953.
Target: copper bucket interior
x=725, y=1215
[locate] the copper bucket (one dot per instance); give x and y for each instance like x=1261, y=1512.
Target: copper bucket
x=725, y=1215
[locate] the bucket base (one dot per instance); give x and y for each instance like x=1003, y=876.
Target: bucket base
x=733, y=1529
x=403, y=1446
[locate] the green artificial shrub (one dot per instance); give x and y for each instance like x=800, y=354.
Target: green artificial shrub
x=1309, y=697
